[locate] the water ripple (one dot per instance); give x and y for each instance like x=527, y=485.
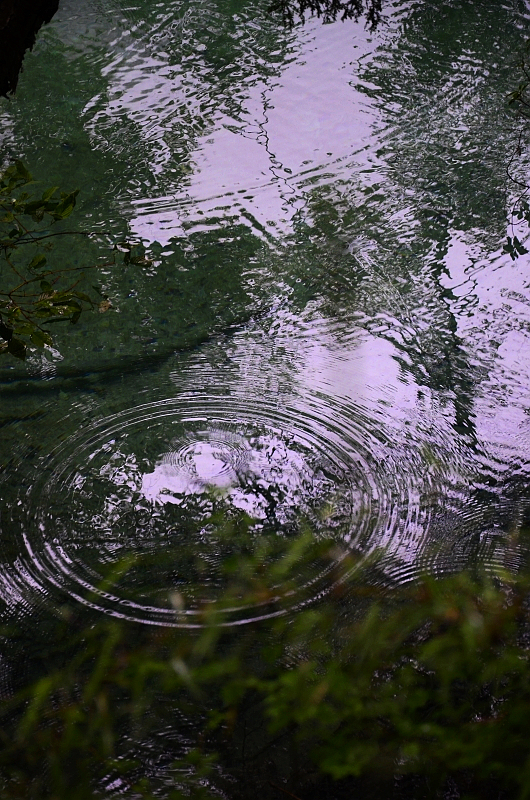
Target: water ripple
x=146, y=483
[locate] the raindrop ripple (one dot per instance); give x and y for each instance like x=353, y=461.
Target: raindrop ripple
x=142, y=488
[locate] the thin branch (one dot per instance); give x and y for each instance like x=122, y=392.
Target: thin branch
x=284, y=790
x=63, y=233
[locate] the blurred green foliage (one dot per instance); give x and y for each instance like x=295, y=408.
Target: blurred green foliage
x=420, y=692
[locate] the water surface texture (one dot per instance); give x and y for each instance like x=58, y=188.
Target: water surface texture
x=324, y=332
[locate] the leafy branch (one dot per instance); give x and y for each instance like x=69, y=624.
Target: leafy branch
x=519, y=100
x=35, y=294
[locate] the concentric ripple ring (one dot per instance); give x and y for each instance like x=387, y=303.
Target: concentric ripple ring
x=143, y=487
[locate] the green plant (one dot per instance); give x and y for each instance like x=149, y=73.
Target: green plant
x=426, y=688
x=34, y=293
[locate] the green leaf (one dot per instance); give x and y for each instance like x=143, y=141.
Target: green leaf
x=33, y=207
x=26, y=329
x=41, y=338
x=65, y=206
x=23, y=172
x=37, y=262
x=14, y=313
x=45, y=286
x=17, y=348
x=82, y=296
x=10, y=172
x=73, y=307
x=49, y=193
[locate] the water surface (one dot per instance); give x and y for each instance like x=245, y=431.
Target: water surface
x=324, y=332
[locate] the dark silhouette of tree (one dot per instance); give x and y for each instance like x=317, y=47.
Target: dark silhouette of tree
x=20, y=21
x=329, y=10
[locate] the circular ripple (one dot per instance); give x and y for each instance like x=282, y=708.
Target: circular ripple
x=145, y=506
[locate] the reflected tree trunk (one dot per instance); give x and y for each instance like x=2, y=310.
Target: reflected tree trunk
x=20, y=21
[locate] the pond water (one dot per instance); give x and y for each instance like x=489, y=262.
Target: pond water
x=324, y=331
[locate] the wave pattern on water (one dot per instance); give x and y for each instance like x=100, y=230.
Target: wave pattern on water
x=330, y=445
x=148, y=481
x=332, y=244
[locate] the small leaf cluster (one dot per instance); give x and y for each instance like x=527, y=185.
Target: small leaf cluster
x=519, y=99
x=18, y=177
x=514, y=247
x=34, y=293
